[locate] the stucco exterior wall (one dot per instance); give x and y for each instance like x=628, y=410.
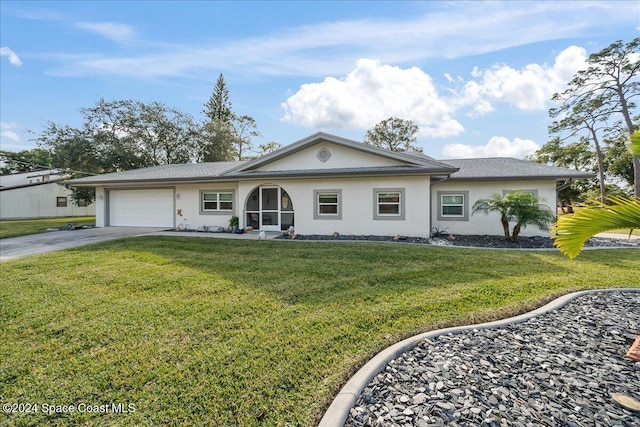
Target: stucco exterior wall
x=40, y=201
x=100, y=207
x=488, y=224
x=420, y=206
x=339, y=157
x=357, y=205
x=188, y=201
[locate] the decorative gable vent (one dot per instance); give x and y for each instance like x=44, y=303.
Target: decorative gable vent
x=324, y=155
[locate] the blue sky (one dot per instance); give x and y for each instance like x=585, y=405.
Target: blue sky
x=476, y=76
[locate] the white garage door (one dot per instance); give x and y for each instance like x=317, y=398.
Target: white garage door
x=141, y=208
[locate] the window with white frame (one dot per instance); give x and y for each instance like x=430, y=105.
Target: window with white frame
x=327, y=204
x=61, y=202
x=453, y=205
x=216, y=201
x=388, y=203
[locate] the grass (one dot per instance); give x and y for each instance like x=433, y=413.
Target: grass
x=22, y=227
x=224, y=332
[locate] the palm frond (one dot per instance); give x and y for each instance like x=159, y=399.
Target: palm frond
x=572, y=232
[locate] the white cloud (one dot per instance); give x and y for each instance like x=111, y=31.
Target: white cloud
x=498, y=146
x=110, y=30
x=443, y=30
x=529, y=88
x=7, y=131
x=10, y=135
x=370, y=93
x=14, y=59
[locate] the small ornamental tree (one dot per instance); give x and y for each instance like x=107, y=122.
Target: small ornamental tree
x=520, y=207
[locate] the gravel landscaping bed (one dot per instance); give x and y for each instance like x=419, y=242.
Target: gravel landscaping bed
x=480, y=241
x=535, y=242
x=558, y=369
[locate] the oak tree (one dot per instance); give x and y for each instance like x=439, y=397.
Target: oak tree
x=394, y=134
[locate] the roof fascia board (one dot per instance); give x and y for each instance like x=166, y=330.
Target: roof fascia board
x=156, y=181
x=323, y=173
x=516, y=178
x=248, y=177
x=34, y=184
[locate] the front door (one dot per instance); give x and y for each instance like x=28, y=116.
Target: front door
x=269, y=208
x=269, y=212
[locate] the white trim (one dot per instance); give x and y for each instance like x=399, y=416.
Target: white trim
x=316, y=204
x=217, y=211
x=400, y=203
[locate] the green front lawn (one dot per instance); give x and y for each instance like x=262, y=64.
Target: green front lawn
x=224, y=332
x=22, y=227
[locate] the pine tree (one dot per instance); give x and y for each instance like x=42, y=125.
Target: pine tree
x=218, y=108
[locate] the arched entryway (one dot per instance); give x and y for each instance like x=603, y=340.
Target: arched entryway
x=269, y=208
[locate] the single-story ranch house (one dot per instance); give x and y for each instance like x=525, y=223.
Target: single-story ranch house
x=323, y=184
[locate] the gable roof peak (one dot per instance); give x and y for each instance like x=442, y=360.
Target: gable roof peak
x=318, y=137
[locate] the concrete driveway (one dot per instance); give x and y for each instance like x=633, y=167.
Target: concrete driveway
x=18, y=247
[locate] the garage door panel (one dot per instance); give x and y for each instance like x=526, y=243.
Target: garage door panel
x=141, y=208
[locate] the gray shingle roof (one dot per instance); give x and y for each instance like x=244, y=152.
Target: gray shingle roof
x=497, y=168
x=178, y=172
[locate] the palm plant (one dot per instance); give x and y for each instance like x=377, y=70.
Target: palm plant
x=573, y=231
x=520, y=206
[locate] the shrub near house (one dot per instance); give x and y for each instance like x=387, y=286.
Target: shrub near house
x=520, y=207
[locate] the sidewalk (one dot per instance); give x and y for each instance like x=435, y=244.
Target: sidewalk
x=251, y=235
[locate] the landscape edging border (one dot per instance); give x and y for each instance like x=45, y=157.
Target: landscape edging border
x=338, y=412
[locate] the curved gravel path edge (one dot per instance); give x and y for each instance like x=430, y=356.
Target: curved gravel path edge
x=338, y=412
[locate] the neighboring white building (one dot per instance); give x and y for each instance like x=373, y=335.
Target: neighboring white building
x=323, y=184
x=38, y=194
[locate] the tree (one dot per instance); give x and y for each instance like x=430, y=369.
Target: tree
x=520, y=206
x=225, y=135
x=244, y=128
x=269, y=147
x=576, y=155
x=121, y=135
x=393, y=134
x=635, y=144
x=571, y=232
x=131, y=134
x=582, y=113
x=618, y=159
x=71, y=148
x=219, y=107
x=612, y=78
x=25, y=160
x=166, y=133
x=215, y=142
